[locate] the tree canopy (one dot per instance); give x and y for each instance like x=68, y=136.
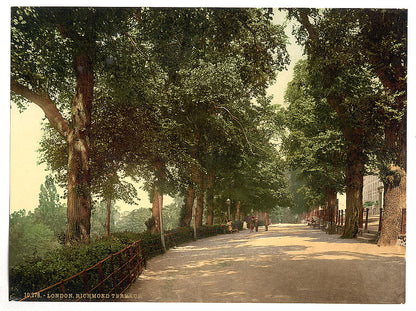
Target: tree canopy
x=176, y=98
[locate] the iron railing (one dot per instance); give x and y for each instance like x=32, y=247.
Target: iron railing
x=338, y=217
x=110, y=278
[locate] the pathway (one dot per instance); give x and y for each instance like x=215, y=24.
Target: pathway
x=288, y=263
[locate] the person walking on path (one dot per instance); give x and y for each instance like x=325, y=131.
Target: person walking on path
x=251, y=223
x=266, y=221
x=256, y=224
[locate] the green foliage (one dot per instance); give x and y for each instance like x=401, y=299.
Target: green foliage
x=283, y=215
x=28, y=237
x=50, y=211
x=38, y=232
x=171, y=215
x=36, y=273
x=313, y=143
x=133, y=221
x=175, y=89
x=99, y=217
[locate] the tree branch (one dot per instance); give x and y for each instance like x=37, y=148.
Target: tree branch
x=45, y=103
x=303, y=18
x=242, y=128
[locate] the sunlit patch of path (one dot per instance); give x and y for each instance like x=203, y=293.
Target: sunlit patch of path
x=288, y=263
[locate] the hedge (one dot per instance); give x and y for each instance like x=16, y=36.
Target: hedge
x=36, y=273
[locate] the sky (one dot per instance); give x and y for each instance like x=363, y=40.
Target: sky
x=27, y=175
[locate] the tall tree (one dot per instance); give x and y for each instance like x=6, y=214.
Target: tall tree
x=314, y=144
x=50, y=210
x=209, y=59
x=383, y=33
x=351, y=89
x=53, y=63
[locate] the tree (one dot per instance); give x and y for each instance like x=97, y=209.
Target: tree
x=100, y=220
x=351, y=89
x=384, y=36
x=55, y=51
x=50, y=211
x=133, y=221
x=216, y=83
x=314, y=144
x=29, y=238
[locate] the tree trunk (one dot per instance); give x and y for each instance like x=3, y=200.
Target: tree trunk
x=79, y=177
x=210, y=199
x=331, y=198
x=162, y=233
x=186, y=212
x=200, y=200
x=394, y=184
x=237, y=214
x=394, y=201
x=391, y=68
x=108, y=219
x=156, y=210
x=354, y=191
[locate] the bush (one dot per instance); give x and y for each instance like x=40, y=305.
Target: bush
x=36, y=273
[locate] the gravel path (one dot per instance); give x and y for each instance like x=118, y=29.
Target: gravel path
x=288, y=263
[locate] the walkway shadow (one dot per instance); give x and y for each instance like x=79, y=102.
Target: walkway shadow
x=281, y=265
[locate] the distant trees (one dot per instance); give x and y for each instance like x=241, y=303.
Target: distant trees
x=314, y=145
x=35, y=233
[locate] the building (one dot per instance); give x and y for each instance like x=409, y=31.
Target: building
x=371, y=189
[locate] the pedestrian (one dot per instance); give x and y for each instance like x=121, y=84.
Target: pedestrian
x=251, y=223
x=256, y=224
x=230, y=226
x=266, y=221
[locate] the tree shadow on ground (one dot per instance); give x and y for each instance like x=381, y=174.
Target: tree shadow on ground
x=279, y=265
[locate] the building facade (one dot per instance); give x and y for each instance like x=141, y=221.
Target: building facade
x=372, y=189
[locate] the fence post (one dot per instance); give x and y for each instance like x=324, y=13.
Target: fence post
x=126, y=255
x=113, y=277
x=100, y=274
x=137, y=255
x=366, y=218
x=85, y=277
x=62, y=288
x=403, y=226
x=132, y=264
x=380, y=220
x=120, y=268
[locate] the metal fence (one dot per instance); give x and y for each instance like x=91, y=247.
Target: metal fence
x=108, y=279
x=338, y=217
x=105, y=280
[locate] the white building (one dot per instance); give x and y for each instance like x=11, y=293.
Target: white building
x=371, y=192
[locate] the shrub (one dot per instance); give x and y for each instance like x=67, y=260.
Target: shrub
x=36, y=273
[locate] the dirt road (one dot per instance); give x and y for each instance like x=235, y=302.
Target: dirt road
x=288, y=263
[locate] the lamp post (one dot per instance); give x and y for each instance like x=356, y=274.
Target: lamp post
x=228, y=204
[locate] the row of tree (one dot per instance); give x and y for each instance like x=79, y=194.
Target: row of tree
x=176, y=97
x=173, y=97
x=347, y=109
